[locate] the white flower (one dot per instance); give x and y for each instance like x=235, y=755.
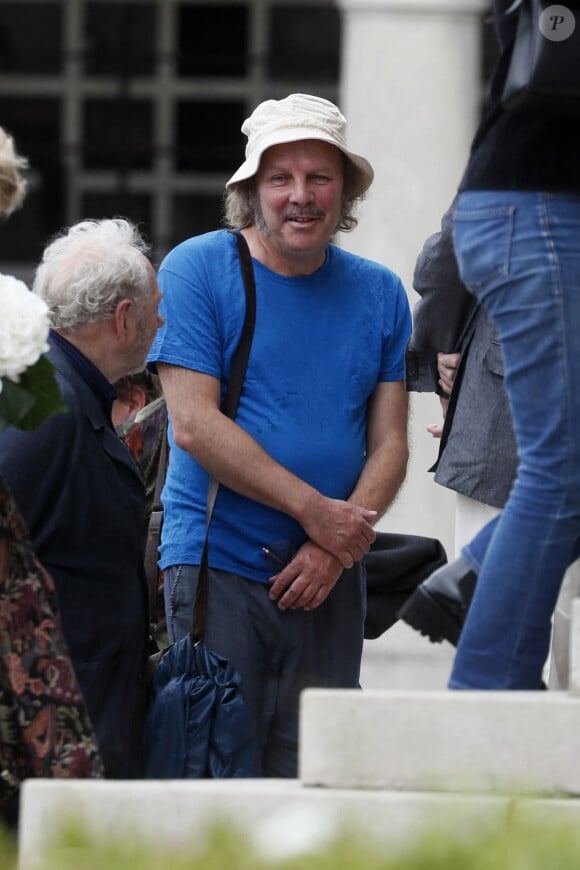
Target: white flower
x=24, y=325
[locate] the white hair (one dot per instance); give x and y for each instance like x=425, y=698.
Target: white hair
x=87, y=270
x=12, y=184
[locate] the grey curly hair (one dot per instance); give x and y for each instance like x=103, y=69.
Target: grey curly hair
x=12, y=184
x=87, y=270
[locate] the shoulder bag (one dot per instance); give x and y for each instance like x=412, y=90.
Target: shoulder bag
x=197, y=725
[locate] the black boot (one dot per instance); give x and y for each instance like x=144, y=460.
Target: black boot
x=438, y=607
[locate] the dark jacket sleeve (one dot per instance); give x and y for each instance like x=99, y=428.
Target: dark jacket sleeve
x=36, y=466
x=441, y=318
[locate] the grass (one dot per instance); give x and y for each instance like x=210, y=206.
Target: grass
x=511, y=845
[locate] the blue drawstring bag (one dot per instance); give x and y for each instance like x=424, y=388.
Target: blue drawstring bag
x=197, y=725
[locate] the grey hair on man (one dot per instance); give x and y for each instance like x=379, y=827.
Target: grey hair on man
x=12, y=184
x=87, y=270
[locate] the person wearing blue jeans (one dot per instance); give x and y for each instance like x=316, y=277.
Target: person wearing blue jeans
x=517, y=244
x=478, y=453
x=519, y=252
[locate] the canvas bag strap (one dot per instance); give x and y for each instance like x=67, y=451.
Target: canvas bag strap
x=229, y=408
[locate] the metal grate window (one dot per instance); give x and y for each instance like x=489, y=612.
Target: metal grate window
x=134, y=108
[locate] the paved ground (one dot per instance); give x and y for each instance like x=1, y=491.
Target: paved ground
x=403, y=659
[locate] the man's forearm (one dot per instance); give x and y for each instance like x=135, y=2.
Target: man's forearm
x=387, y=448
x=381, y=478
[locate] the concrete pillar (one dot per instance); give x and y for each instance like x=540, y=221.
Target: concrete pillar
x=411, y=90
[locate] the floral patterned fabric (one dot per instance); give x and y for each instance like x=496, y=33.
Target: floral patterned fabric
x=143, y=434
x=44, y=727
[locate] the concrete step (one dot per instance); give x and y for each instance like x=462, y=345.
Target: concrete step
x=574, y=675
x=279, y=818
x=514, y=742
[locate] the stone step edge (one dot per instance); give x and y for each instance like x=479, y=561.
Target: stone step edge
x=518, y=742
x=180, y=812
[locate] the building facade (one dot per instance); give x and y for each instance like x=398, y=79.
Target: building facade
x=134, y=108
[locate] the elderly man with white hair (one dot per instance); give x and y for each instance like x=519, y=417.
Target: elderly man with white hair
x=75, y=482
x=319, y=446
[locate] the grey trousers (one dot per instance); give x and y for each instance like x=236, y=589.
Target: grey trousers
x=277, y=653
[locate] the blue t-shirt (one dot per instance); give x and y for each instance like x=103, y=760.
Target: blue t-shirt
x=321, y=344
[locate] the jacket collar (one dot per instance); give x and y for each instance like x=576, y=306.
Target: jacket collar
x=90, y=400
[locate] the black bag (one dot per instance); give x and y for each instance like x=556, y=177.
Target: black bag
x=544, y=69
x=395, y=565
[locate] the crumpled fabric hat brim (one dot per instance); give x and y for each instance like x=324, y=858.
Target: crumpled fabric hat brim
x=297, y=118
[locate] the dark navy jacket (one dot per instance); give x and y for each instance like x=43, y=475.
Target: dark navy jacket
x=83, y=499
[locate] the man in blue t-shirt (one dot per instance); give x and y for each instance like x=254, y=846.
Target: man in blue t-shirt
x=318, y=449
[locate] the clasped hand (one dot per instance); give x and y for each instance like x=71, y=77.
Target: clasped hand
x=341, y=528
x=307, y=580
x=340, y=534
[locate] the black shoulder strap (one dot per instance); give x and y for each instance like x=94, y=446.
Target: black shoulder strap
x=229, y=407
x=240, y=360
x=466, y=338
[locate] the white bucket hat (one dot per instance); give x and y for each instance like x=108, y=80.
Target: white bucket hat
x=297, y=117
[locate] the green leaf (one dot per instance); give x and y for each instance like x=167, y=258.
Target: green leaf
x=32, y=401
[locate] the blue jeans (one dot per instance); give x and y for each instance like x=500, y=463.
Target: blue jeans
x=519, y=253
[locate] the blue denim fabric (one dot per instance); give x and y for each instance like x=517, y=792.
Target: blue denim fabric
x=519, y=253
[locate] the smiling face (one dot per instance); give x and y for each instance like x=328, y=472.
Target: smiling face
x=299, y=186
